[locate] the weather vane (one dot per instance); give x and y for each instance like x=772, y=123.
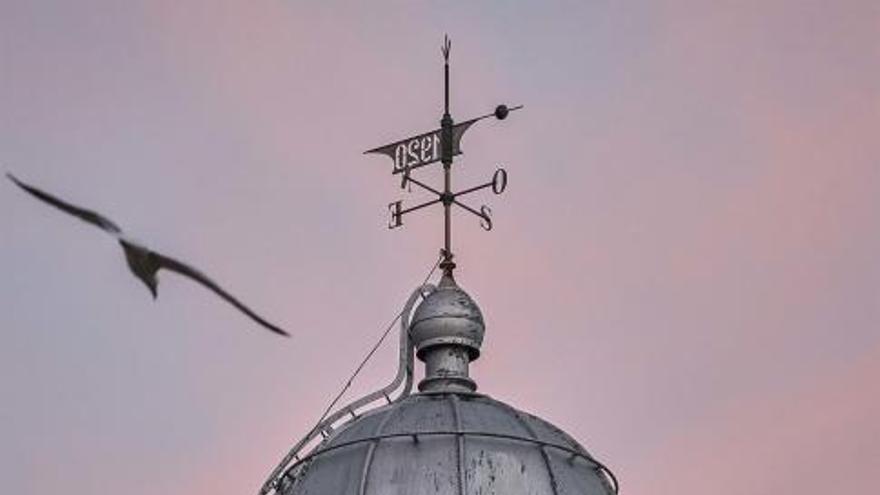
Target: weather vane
x=441, y=145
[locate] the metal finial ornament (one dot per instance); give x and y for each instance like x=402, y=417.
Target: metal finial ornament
x=441, y=145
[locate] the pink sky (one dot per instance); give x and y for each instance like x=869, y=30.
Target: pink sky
x=683, y=272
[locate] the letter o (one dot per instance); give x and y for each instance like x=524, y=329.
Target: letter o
x=499, y=181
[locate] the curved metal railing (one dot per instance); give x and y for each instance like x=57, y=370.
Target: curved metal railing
x=325, y=426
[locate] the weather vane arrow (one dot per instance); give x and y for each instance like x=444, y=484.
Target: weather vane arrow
x=441, y=145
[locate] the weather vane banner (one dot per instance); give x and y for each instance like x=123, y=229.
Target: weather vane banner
x=421, y=150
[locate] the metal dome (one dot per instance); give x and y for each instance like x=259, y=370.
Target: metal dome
x=447, y=443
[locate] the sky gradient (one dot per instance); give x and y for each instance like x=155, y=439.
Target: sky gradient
x=683, y=273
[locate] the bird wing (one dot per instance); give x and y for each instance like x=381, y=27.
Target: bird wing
x=83, y=214
x=188, y=271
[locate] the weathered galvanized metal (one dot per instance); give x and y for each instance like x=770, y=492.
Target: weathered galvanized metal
x=448, y=316
x=447, y=439
x=448, y=444
x=447, y=331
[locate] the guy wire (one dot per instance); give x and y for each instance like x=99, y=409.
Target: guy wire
x=371, y=353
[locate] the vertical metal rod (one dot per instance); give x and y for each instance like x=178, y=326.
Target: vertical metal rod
x=446, y=157
x=447, y=213
x=446, y=46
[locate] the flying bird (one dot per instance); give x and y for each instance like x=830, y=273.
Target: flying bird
x=143, y=262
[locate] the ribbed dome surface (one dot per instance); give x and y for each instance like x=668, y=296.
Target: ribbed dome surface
x=447, y=444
